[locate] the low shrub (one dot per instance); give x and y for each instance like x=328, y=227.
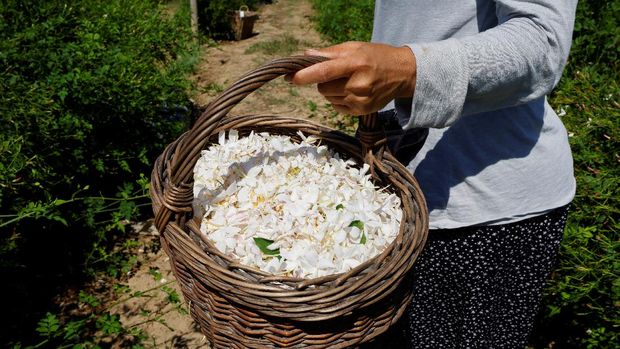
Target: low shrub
x=90, y=93
x=345, y=20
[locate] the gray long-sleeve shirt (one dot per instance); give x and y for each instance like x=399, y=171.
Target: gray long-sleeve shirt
x=496, y=151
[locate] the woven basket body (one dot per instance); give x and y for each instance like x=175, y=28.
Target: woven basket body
x=238, y=306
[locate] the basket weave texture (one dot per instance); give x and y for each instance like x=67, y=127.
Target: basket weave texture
x=238, y=306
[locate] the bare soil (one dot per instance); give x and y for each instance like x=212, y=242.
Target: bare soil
x=147, y=304
x=284, y=28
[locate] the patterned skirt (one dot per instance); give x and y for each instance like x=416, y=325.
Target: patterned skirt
x=479, y=287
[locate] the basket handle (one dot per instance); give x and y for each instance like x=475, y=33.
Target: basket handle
x=178, y=192
x=370, y=131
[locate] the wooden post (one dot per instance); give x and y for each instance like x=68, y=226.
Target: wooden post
x=193, y=4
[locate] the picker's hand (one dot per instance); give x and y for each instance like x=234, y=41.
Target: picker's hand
x=361, y=78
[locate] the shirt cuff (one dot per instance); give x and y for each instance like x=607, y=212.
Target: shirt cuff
x=441, y=85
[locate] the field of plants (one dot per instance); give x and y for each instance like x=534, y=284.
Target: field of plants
x=92, y=91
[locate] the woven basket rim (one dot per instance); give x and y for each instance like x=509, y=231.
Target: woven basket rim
x=361, y=276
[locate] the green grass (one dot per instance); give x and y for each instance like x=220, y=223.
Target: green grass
x=284, y=46
x=213, y=88
x=344, y=20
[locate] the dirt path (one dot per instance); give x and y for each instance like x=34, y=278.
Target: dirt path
x=155, y=305
x=284, y=29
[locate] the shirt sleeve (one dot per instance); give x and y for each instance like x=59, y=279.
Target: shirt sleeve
x=519, y=60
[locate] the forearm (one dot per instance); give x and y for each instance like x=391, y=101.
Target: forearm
x=519, y=60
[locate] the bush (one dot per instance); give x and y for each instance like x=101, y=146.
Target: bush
x=580, y=306
x=596, y=39
x=86, y=93
x=347, y=20
x=90, y=93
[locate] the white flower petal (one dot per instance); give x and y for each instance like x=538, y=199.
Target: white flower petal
x=302, y=196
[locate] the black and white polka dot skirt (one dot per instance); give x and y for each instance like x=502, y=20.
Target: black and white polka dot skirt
x=479, y=287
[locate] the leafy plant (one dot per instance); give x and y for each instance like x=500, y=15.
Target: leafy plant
x=99, y=324
x=88, y=98
x=49, y=326
x=580, y=308
x=585, y=287
x=90, y=93
x=344, y=20
x=312, y=106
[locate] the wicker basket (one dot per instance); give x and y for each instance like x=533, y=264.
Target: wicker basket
x=243, y=22
x=238, y=306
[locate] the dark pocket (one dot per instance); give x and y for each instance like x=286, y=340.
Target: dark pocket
x=405, y=145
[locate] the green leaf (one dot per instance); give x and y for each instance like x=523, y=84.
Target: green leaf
x=62, y=94
x=262, y=244
x=89, y=299
x=565, y=295
x=49, y=326
x=312, y=106
x=59, y=202
x=109, y=324
x=173, y=296
x=59, y=219
x=358, y=224
x=339, y=207
x=553, y=310
x=73, y=329
x=155, y=273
